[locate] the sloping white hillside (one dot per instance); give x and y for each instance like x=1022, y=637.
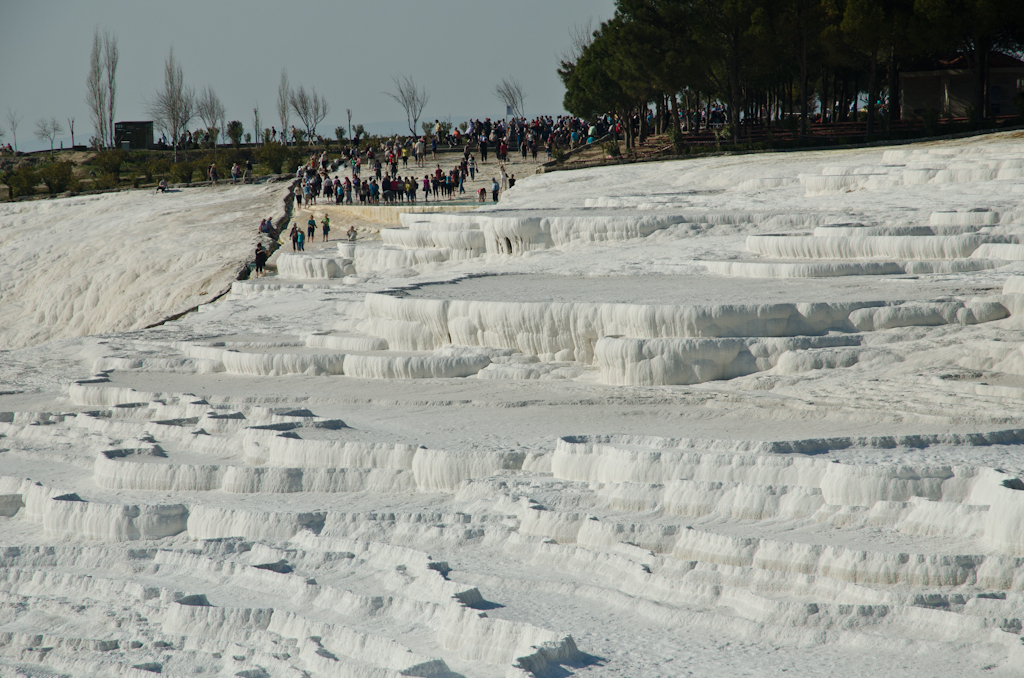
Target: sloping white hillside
x=104, y=263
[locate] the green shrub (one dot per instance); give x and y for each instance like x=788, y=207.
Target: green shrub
x=295, y=158
x=209, y=137
x=235, y=131
x=558, y=154
x=157, y=167
x=678, y=140
x=223, y=158
x=202, y=164
x=183, y=171
x=931, y=122
x=105, y=182
x=612, y=148
x=59, y=177
x=110, y=161
x=21, y=182
x=273, y=155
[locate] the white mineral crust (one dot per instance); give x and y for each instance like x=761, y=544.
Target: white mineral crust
x=748, y=415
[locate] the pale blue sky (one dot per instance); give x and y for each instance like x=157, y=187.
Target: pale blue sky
x=348, y=50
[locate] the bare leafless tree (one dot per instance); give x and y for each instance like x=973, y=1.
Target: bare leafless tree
x=47, y=129
x=174, y=106
x=580, y=37
x=284, y=92
x=511, y=93
x=110, y=57
x=96, y=89
x=71, y=127
x=301, y=103
x=101, y=85
x=258, y=133
x=311, y=108
x=410, y=97
x=210, y=110
x=13, y=120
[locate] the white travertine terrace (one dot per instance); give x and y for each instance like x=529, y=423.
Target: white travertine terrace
x=741, y=415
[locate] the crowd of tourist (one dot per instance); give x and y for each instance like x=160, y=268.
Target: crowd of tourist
x=391, y=172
